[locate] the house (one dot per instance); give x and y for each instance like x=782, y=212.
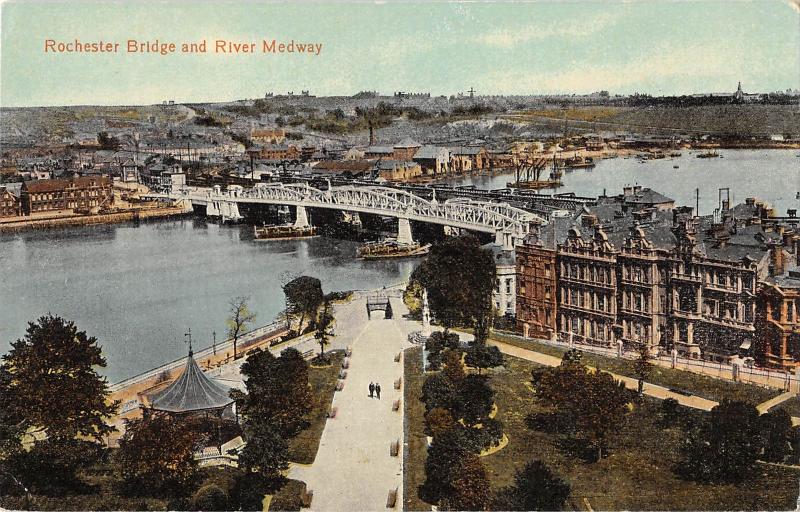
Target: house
x=467, y=159
x=66, y=194
x=405, y=150
x=376, y=152
x=433, y=160
x=268, y=135
x=10, y=205
x=278, y=152
x=396, y=170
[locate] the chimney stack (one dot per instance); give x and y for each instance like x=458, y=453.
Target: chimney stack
x=777, y=262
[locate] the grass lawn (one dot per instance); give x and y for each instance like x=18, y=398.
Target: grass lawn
x=792, y=406
x=303, y=448
x=700, y=385
x=415, y=439
x=637, y=475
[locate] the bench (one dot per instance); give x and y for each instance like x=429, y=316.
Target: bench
x=332, y=412
x=340, y=385
x=394, y=448
x=306, y=497
x=396, y=406
x=342, y=374
x=346, y=363
x=398, y=383
x=397, y=357
x=391, y=500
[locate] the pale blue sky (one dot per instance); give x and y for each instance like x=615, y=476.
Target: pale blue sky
x=503, y=48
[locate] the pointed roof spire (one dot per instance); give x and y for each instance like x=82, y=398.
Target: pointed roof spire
x=192, y=391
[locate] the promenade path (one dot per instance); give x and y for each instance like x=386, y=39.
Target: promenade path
x=354, y=469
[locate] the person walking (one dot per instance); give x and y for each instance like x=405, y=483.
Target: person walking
x=372, y=390
x=378, y=390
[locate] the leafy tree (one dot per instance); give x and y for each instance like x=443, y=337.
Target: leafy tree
x=776, y=427
x=324, y=327
x=51, y=466
x=535, y=487
x=594, y=401
x=437, y=421
x=642, y=367
x=107, y=142
x=156, y=455
x=436, y=344
x=438, y=392
x=278, y=392
x=469, y=486
x=481, y=356
x=670, y=412
x=239, y=320
x=459, y=277
x=453, y=368
x=11, y=424
x=53, y=383
x=266, y=452
x=445, y=453
x=210, y=497
x=724, y=447
x=474, y=399
x=303, y=296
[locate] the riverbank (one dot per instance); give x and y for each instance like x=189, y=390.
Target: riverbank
x=18, y=224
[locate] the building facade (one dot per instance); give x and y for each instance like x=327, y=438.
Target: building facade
x=10, y=205
x=66, y=194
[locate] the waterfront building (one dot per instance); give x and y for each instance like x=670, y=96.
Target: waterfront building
x=638, y=273
x=433, y=160
x=405, y=149
x=504, y=294
x=85, y=192
x=398, y=170
x=377, y=152
x=468, y=158
x=10, y=205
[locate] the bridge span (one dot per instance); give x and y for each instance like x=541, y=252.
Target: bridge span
x=508, y=223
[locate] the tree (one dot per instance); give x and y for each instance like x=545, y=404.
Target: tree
x=438, y=392
x=240, y=319
x=304, y=296
x=437, y=421
x=642, y=367
x=469, y=486
x=107, y=142
x=593, y=401
x=278, y=392
x=535, y=487
x=776, y=427
x=53, y=384
x=724, y=447
x=474, y=400
x=459, y=277
x=156, y=455
x=324, y=327
x=210, y=497
x=266, y=452
x=481, y=356
x=444, y=454
x=453, y=368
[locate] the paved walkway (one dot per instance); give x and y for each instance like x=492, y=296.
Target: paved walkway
x=354, y=469
x=772, y=402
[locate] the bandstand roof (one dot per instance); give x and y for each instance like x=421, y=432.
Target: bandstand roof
x=193, y=391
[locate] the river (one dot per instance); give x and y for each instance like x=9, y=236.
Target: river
x=771, y=175
x=139, y=288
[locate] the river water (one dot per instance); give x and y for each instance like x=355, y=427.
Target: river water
x=139, y=288
x=771, y=175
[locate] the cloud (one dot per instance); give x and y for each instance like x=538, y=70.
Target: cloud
x=575, y=28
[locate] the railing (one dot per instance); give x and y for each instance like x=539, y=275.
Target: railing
x=245, y=340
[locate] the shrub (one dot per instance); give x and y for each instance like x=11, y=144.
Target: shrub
x=210, y=497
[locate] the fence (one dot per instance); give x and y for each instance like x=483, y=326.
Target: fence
x=245, y=340
x=751, y=375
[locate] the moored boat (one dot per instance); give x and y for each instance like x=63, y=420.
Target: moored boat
x=283, y=231
x=391, y=248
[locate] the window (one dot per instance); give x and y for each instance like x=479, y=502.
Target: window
x=508, y=285
x=546, y=292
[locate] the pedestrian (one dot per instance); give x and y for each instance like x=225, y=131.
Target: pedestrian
x=372, y=389
x=378, y=390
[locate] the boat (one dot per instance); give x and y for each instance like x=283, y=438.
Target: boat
x=675, y=154
x=283, y=231
x=709, y=154
x=391, y=248
x=676, y=166
x=534, y=184
x=577, y=162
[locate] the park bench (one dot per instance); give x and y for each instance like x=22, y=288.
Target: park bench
x=397, y=357
x=396, y=406
x=394, y=448
x=340, y=385
x=398, y=383
x=391, y=500
x=332, y=412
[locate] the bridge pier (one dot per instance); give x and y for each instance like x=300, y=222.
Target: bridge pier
x=302, y=218
x=404, y=231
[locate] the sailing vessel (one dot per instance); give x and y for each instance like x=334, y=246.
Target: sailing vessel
x=283, y=231
x=709, y=154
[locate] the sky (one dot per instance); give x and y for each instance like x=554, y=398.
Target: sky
x=655, y=47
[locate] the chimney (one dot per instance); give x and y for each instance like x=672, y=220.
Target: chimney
x=371, y=135
x=627, y=191
x=777, y=263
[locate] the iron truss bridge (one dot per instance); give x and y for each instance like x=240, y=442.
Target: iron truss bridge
x=458, y=212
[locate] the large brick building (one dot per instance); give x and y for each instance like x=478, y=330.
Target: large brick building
x=10, y=205
x=66, y=194
x=666, y=279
